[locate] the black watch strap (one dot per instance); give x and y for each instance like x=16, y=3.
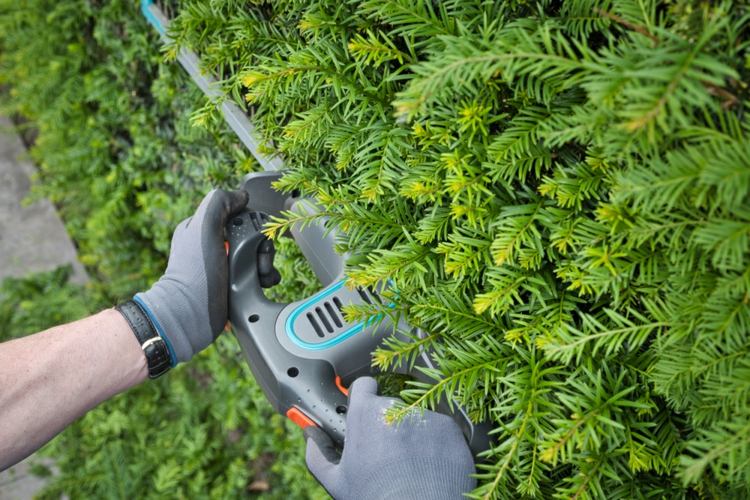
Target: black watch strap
x=154, y=347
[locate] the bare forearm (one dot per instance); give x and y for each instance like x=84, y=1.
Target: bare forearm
x=49, y=379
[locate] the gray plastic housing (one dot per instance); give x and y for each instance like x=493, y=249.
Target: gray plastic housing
x=296, y=351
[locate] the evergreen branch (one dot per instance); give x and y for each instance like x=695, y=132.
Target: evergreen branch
x=515, y=230
x=385, y=264
x=511, y=453
x=724, y=446
x=277, y=226
x=570, y=342
x=394, y=351
x=551, y=453
x=400, y=412
x=457, y=314
x=505, y=286
x=588, y=477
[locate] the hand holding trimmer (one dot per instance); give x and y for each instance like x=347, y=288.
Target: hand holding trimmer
x=423, y=457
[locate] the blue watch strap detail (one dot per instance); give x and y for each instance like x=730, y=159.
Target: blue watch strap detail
x=159, y=329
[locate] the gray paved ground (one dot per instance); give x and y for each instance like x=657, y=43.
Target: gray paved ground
x=17, y=483
x=32, y=239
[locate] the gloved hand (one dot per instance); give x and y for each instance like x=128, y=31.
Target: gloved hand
x=424, y=456
x=188, y=305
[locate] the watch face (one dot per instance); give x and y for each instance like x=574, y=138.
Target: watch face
x=157, y=356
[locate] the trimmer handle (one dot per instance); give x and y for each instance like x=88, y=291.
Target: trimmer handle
x=316, y=241
x=285, y=378
x=301, y=353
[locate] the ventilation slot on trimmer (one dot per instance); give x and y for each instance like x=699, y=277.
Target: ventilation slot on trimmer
x=324, y=319
x=322, y=324
x=332, y=313
x=315, y=325
x=339, y=305
x=364, y=295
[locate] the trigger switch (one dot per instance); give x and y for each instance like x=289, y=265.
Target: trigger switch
x=267, y=274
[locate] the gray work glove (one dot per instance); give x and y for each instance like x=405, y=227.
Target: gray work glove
x=189, y=303
x=424, y=456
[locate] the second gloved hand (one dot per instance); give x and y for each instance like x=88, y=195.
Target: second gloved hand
x=424, y=456
x=188, y=305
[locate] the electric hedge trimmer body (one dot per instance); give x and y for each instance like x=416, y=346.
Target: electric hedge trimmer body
x=303, y=354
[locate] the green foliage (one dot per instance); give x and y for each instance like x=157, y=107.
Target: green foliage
x=116, y=151
x=119, y=157
x=38, y=302
x=559, y=191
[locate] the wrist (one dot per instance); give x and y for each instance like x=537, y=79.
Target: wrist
x=130, y=352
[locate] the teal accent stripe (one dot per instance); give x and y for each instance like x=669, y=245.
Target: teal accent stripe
x=159, y=330
x=354, y=329
x=303, y=307
x=150, y=17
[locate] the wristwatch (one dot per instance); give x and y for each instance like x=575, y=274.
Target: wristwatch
x=154, y=347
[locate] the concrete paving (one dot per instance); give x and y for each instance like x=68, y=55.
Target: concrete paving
x=18, y=483
x=32, y=239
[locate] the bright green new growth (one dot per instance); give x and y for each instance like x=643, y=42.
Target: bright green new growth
x=560, y=192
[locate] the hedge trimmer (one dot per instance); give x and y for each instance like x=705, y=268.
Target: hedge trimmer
x=303, y=354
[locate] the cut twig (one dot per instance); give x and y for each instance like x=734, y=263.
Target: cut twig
x=633, y=27
x=728, y=99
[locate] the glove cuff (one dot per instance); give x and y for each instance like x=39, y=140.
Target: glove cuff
x=177, y=309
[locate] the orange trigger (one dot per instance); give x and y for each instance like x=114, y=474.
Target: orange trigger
x=341, y=387
x=298, y=417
